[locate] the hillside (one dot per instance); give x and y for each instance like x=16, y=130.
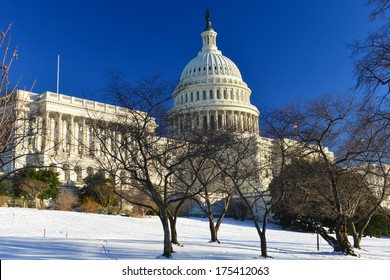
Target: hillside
x=43, y=234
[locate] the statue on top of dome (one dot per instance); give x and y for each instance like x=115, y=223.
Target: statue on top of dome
x=208, y=22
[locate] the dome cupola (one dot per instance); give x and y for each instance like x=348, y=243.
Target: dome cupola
x=211, y=91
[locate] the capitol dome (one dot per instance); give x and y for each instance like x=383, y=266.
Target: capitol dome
x=211, y=92
x=210, y=64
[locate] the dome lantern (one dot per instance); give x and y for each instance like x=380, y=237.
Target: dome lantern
x=209, y=37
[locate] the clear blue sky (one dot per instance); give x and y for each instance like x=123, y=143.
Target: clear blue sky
x=285, y=49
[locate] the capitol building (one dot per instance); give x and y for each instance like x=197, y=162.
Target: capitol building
x=211, y=93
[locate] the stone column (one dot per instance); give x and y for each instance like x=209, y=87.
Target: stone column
x=216, y=119
x=83, y=137
x=59, y=133
x=76, y=137
x=71, y=135
x=240, y=120
x=223, y=119
x=46, y=132
x=38, y=131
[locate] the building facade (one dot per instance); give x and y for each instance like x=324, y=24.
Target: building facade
x=56, y=132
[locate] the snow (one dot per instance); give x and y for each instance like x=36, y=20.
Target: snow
x=31, y=234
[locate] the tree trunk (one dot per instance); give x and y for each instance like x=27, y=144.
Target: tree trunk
x=213, y=230
x=223, y=214
x=260, y=231
x=356, y=236
x=168, y=250
x=172, y=222
x=343, y=244
x=210, y=216
x=323, y=233
x=263, y=244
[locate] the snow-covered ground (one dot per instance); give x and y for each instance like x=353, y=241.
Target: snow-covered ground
x=41, y=234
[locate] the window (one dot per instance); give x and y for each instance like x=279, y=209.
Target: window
x=192, y=96
x=212, y=121
x=204, y=95
x=225, y=94
x=211, y=94
x=218, y=94
x=197, y=95
x=186, y=97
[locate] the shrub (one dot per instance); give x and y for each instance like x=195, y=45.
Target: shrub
x=31, y=184
x=90, y=206
x=100, y=189
x=379, y=225
x=67, y=200
x=3, y=200
x=237, y=209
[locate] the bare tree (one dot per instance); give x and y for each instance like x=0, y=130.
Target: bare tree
x=208, y=148
x=372, y=63
x=380, y=7
x=373, y=162
x=9, y=112
x=16, y=121
x=250, y=162
x=133, y=148
x=371, y=57
x=323, y=124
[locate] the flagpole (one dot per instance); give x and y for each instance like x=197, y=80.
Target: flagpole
x=58, y=73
